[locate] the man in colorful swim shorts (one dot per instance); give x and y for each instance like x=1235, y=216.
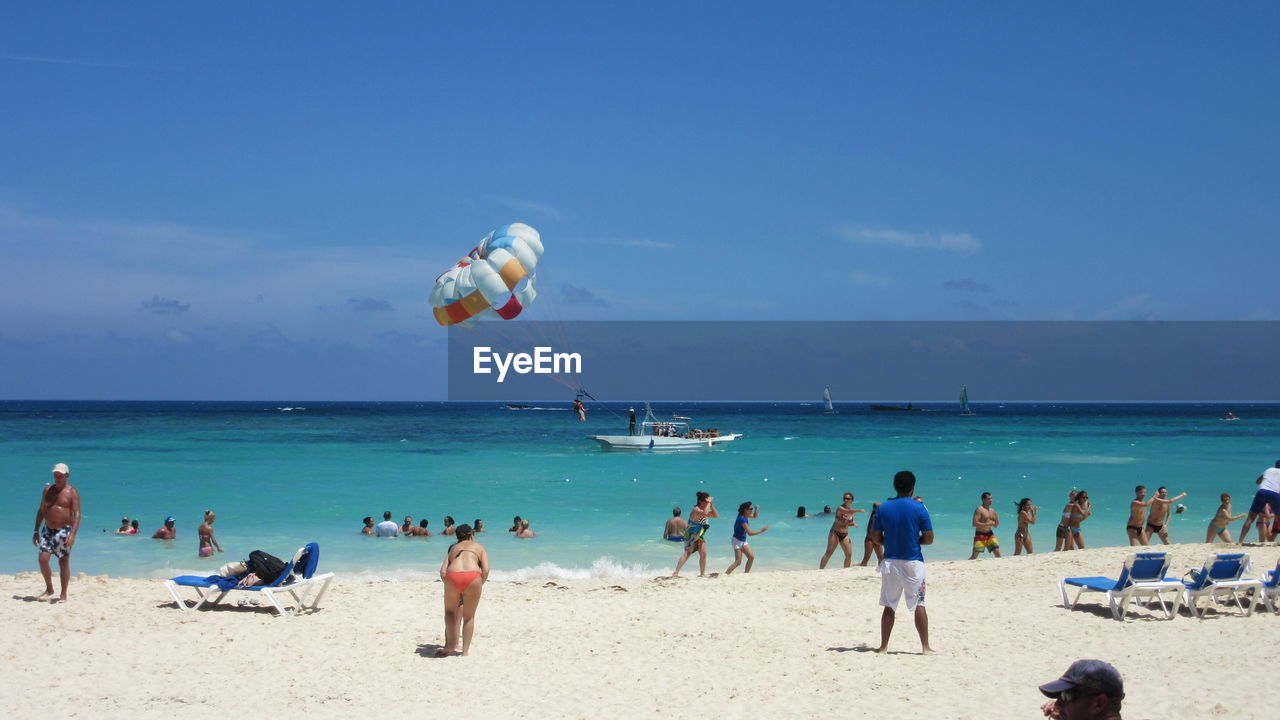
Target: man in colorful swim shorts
x=985, y=522
x=1268, y=494
x=59, y=513
x=902, y=525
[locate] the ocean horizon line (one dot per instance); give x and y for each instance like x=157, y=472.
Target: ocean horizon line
x=798, y=401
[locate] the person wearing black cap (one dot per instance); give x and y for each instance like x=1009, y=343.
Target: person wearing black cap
x=1088, y=690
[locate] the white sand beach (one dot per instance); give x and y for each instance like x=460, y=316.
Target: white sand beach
x=780, y=644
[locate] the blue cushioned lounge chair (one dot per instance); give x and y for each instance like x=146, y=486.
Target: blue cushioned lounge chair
x=1221, y=579
x=1141, y=578
x=1270, y=589
x=297, y=580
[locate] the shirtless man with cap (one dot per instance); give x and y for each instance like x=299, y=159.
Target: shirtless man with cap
x=167, y=531
x=59, y=513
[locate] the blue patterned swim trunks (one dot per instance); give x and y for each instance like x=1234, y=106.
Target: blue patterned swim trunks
x=54, y=541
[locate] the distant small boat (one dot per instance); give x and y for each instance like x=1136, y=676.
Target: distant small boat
x=894, y=408
x=518, y=407
x=964, y=401
x=1230, y=416
x=826, y=401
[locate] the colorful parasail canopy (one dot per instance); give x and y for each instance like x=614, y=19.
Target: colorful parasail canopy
x=497, y=278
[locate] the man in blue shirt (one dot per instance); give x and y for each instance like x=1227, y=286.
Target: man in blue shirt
x=903, y=525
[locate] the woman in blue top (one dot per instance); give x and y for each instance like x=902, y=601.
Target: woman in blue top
x=741, y=531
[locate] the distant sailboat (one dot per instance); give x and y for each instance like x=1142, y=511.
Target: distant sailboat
x=964, y=401
x=826, y=401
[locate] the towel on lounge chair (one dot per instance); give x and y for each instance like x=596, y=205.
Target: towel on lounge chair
x=297, y=579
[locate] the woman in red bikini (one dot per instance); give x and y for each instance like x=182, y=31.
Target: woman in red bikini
x=464, y=572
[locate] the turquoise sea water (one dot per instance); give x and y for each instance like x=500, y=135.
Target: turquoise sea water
x=280, y=474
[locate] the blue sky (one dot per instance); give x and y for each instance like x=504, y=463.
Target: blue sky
x=235, y=201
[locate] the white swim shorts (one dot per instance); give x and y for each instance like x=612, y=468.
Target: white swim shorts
x=899, y=577
x=737, y=544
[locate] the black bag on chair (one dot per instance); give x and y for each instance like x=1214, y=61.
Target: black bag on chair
x=266, y=566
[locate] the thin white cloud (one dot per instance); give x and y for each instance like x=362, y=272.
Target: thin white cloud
x=624, y=242
x=866, y=279
x=543, y=209
x=87, y=273
x=59, y=60
x=164, y=306
x=963, y=243
x=177, y=337
x=1139, y=306
x=968, y=285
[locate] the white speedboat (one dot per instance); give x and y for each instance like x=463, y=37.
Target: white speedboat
x=664, y=435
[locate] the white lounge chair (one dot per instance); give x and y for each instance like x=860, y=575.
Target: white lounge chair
x=1269, y=590
x=1221, y=579
x=297, y=580
x=1141, y=578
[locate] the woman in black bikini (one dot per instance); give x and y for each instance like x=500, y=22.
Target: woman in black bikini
x=1083, y=509
x=869, y=545
x=839, y=532
x=1026, y=517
